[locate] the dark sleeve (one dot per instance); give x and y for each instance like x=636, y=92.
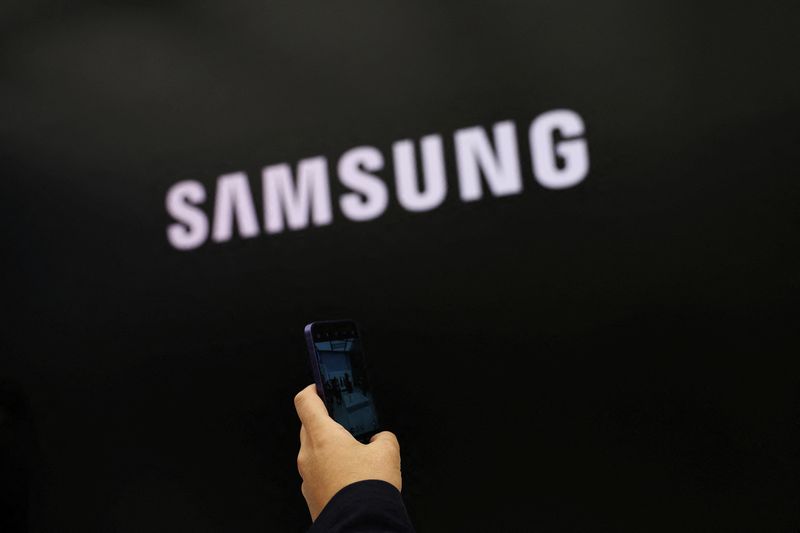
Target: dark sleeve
x=370, y=506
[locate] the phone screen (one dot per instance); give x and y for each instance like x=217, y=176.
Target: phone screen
x=348, y=396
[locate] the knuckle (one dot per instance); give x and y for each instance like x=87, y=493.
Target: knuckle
x=391, y=441
x=299, y=398
x=393, y=453
x=302, y=461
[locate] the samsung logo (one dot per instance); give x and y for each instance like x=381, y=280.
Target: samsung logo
x=296, y=197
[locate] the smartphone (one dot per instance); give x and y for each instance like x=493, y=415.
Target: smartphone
x=337, y=361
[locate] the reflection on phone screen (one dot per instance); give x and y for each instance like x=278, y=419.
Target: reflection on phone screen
x=347, y=391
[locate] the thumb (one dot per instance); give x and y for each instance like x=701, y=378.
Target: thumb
x=310, y=409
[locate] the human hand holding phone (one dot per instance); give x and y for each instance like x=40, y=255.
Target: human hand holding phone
x=330, y=458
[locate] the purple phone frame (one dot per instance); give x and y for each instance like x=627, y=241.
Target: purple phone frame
x=312, y=356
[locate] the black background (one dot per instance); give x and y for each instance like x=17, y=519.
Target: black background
x=616, y=356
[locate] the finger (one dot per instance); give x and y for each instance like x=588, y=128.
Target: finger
x=310, y=409
x=386, y=438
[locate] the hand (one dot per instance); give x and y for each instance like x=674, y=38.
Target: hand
x=330, y=458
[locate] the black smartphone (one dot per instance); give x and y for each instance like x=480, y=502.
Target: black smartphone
x=337, y=361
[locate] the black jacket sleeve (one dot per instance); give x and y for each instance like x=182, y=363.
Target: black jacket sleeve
x=370, y=506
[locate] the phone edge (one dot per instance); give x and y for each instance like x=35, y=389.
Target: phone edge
x=312, y=356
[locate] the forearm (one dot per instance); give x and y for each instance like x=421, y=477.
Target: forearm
x=365, y=506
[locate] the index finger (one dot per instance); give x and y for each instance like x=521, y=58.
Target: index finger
x=310, y=408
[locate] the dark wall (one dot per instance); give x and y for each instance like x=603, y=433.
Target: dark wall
x=619, y=355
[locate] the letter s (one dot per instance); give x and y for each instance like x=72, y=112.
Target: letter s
x=354, y=169
x=191, y=228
